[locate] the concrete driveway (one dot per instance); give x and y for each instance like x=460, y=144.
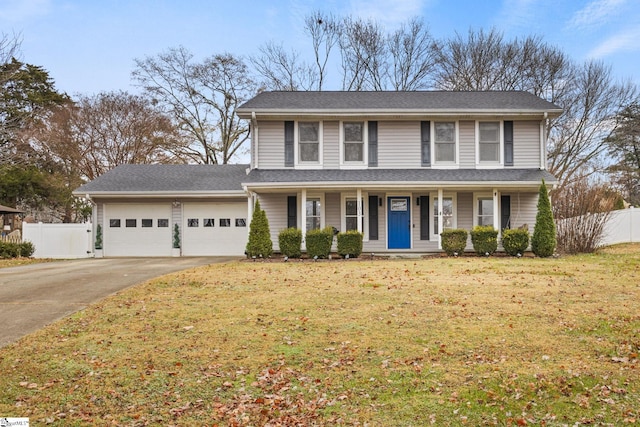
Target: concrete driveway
x=35, y=295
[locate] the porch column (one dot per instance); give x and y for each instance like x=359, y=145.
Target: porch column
x=249, y=209
x=359, y=204
x=496, y=210
x=440, y=224
x=303, y=216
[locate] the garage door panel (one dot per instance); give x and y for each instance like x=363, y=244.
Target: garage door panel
x=137, y=229
x=214, y=229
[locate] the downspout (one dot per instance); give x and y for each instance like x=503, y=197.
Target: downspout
x=254, y=140
x=543, y=143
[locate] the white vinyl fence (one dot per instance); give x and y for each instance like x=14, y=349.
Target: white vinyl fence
x=59, y=240
x=623, y=226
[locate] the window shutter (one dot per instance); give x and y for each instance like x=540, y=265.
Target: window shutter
x=373, y=143
x=288, y=143
x=505, y=212
x=508, y=143
x=292, y=211
x=425, y=140
x=373, y=217
x=424, y=217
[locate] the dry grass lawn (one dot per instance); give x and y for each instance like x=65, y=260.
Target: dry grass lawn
x=442, y=341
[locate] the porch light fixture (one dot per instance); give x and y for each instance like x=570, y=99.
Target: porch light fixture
x=417, y=201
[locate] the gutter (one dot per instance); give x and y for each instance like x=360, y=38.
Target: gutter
x=413, y=185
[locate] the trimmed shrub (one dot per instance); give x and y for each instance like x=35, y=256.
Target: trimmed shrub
x=484, y=239
x=515, y=241
x=543, y=241
x=350, y=243
x=176, y=237
x=290, y=241
x=259, y=243
x=98, y=244
x=15, y=250
x=27, y=249
x=319, y=242
x=454, y=241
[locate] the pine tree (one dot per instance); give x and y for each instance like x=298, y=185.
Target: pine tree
x=543, y=241
x=259, y=244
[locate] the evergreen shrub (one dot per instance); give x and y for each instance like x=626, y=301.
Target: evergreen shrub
x=350, y=243
x=543, y=241
x=515, y=241
x=484, y=239
x=454, y=241
x=319, y=242
x=290, y=242
x=259, y=243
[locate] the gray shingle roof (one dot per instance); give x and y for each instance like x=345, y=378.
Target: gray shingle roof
x=425, y=176
x=168, y=178
x=426, y=101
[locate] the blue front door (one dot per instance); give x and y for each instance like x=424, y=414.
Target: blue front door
x=399, y=223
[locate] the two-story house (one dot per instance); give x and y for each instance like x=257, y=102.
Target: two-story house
x=400, y=167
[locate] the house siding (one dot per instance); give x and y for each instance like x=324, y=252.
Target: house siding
x=524, y=207
x=331, y=144
x=467, y=130
x=271, y=144
x=332, y=210
x=275, y=206
x=526, y=144
x=399, y=145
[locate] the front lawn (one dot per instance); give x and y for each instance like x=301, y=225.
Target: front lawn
x=442, y=341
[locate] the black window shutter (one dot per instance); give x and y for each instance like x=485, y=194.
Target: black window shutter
x=292, y=211
x=373, y=217
x=288, y=143
x=424, y=217
x=508, y=143
x=425, y=141
x=505, y=212
x=373, y=143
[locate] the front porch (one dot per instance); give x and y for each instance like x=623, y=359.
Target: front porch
x=396, y=220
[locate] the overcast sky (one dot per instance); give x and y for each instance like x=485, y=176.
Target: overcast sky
x=89, y=46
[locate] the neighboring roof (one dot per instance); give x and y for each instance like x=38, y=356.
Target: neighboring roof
x=169, y=179
x=431, y=177
x=8, y=210
x=516, y=102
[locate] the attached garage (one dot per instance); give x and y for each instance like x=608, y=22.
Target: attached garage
x=137, y=229
x=214, y=228
x=138, y=206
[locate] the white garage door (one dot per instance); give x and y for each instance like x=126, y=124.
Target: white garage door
x=137, y=229
x=214, y=229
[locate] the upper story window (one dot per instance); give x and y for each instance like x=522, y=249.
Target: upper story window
x=488, y=142
x=353, y=142
x=309, y=142
x=445, y=142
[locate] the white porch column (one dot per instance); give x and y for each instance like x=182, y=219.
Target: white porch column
x=440, y=224
x=303, y=216
x=250, y=203
x=496, y=210
x=359, y=204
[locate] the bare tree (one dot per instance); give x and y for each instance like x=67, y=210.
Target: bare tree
x=624, y=149
x=98, y=133
x=412, y=51
x=282, y=70
x=199, y=102
x=363, y=51
x=324, y=31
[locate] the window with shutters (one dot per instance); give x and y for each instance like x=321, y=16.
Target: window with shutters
x=445, y=142
x=488, y=143
x=354, y=149
x=308, y=142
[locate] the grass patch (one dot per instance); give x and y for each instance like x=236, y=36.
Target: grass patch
x=443, y=341
x=15, y=262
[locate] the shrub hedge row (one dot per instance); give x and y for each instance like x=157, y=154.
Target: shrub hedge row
x=16, y=250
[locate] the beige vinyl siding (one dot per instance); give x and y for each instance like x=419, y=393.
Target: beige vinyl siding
x=379, y=245
x=467, y=131
x=465, y=214
x=275, y=206
x=420, y=245
x=399, y=145
x=331, y=144
x=332, y=210
x=271, y=144
x=526, y=144
x=524, y=207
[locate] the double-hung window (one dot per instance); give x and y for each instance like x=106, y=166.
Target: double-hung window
x=484, y=211
x=351, y=214
x=309, y=142
x=489, y=142
x=445, y=142
x=314, y=213
x=353, y=142
x=447, y=214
